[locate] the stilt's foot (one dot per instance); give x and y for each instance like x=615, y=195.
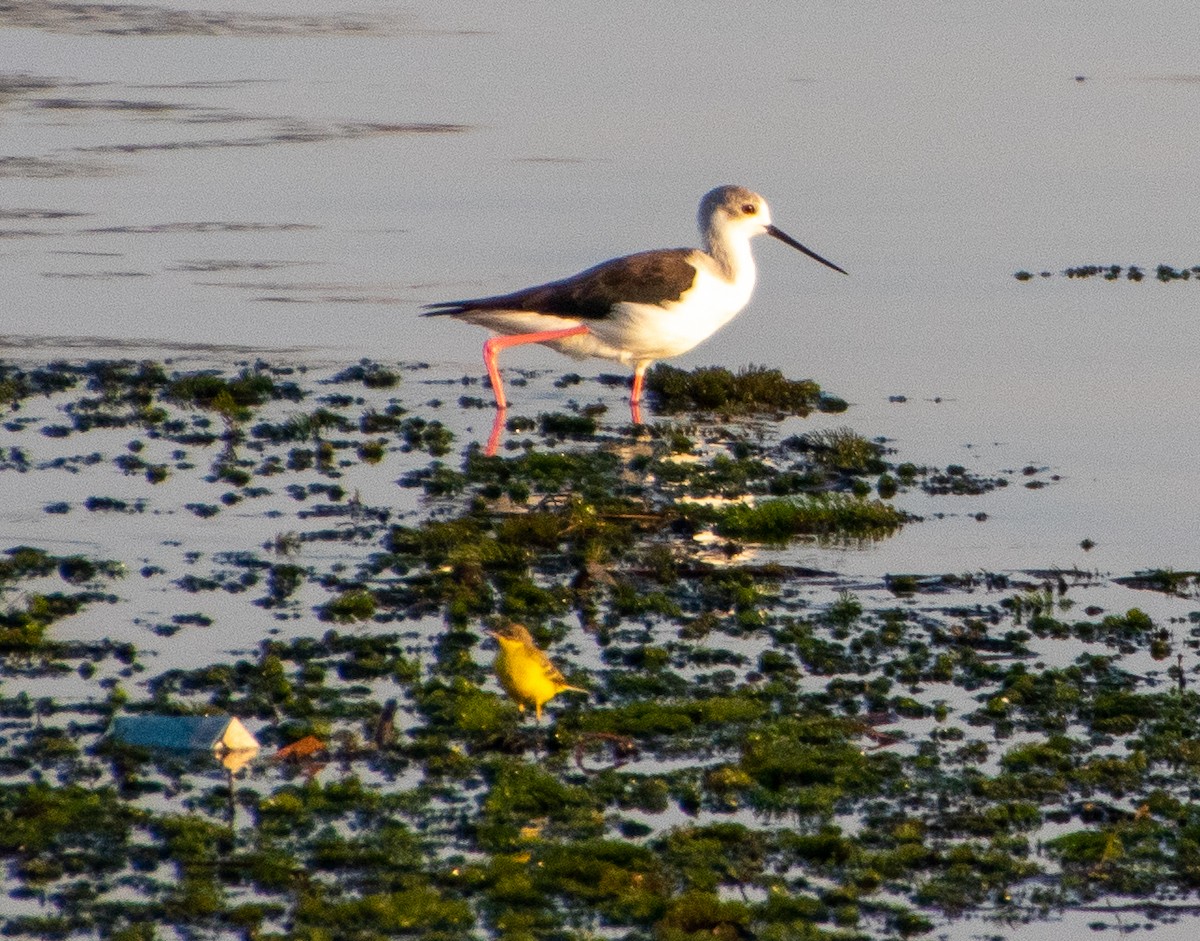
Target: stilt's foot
x=635, y=411
x=497, y=431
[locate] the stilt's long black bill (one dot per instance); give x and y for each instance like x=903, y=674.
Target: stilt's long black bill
x=788, y=240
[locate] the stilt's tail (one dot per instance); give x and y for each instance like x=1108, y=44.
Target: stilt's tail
x=446, y=308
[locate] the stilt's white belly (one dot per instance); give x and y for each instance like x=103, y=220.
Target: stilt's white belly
x=642, y=332
x=633, y=333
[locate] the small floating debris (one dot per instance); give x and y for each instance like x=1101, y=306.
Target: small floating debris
x=302, y=749
x=230, y=741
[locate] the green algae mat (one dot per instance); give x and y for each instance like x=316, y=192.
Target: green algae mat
x=766, y=749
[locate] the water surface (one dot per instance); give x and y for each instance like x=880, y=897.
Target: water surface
x=295, y=179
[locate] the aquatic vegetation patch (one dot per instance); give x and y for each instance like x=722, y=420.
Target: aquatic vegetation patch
x=1162, y=273
x=1164, y=580
x=233, y=396
x=828, y=515
x=372, y=375
x=765, y=748
x=17, y=383
x=842, y=449
x=754, y=389
x=356, y=604
x=956, y=479
x=28, y=614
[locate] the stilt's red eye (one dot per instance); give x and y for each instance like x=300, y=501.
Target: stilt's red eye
x=749, y=209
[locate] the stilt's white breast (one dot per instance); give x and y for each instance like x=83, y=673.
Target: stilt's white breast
x=651, y=331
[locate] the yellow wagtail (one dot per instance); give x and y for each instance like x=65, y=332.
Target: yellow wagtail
x=525, y=672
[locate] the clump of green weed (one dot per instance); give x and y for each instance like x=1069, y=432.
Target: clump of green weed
x=232, y=398
x=372, y=451
x=372, y=375
x=813, y=515
x=355, y=604
x=754, y=389
x=843, y=450
x=1167, y=581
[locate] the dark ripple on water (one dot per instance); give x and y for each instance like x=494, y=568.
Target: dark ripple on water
x=116, y=19
x=53, y=168
x=14, y=84
x=96, y=275
x=297, y=292
x=166, y=228
x=39, y=214
x=56, y=99
x=213, y=265
x=293, y=132
x=102, y=104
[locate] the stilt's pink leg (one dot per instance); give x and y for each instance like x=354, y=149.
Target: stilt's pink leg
x=635, y=399
x=490, y=349
x=497, y=430
x=502, y=342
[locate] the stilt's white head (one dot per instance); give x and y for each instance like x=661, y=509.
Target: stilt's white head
x=734, y=213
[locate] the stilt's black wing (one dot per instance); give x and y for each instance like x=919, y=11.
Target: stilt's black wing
x=645, y=278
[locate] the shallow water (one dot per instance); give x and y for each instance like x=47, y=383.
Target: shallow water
x=193, y=603
x=296, y=179
x=292, y=176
